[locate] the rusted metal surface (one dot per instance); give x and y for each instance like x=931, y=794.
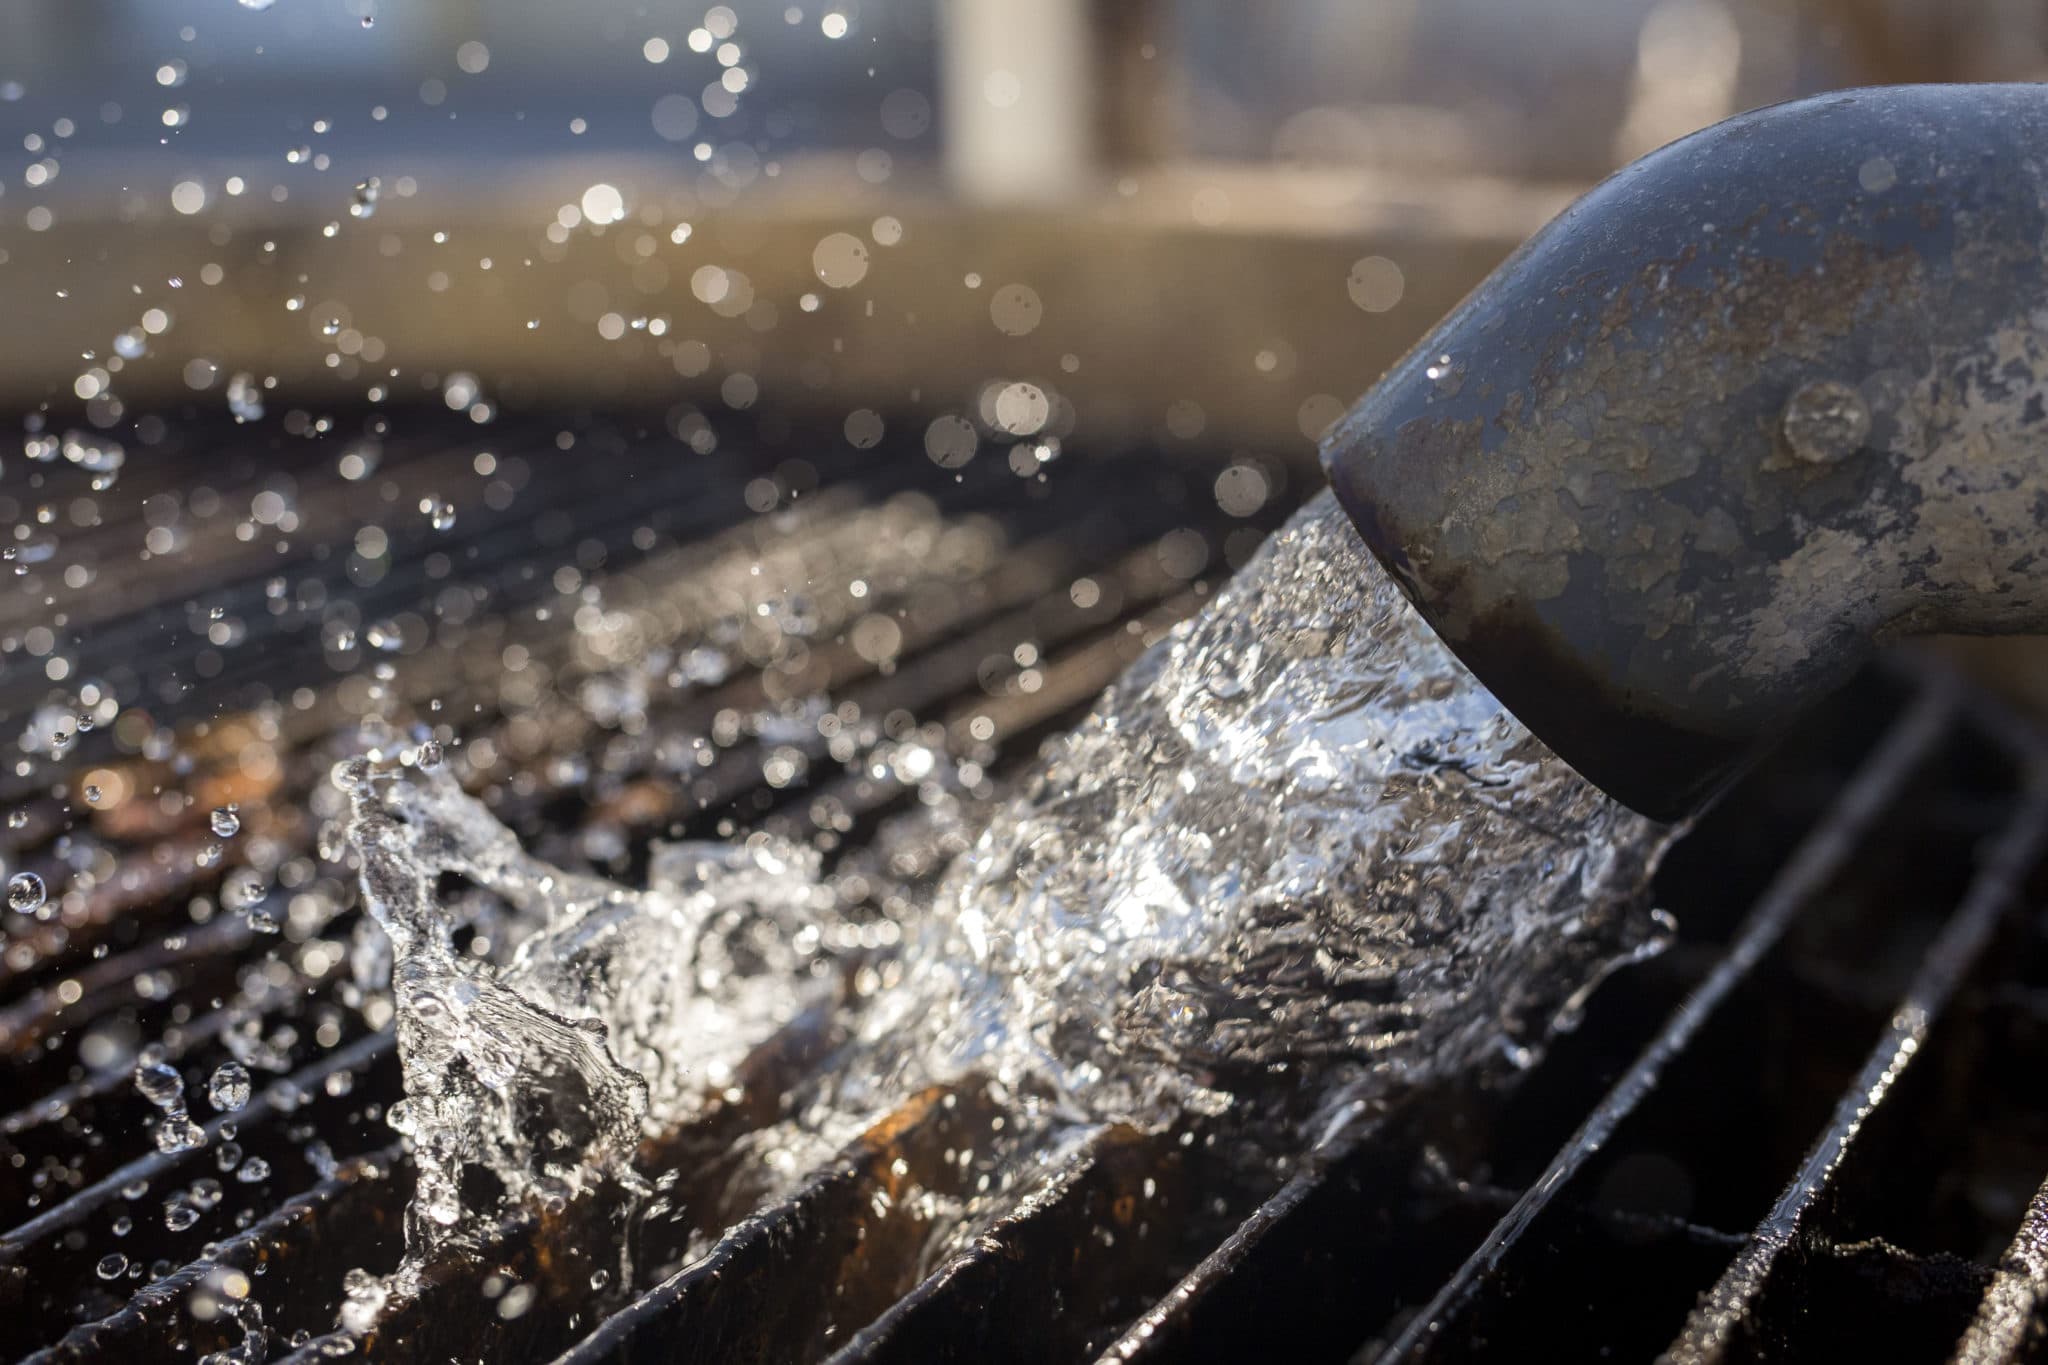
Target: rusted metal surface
x=1764, y=399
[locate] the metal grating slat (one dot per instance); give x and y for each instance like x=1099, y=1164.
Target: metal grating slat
x=1709, y=1334
x=1875, y=786
x=1149, y=1247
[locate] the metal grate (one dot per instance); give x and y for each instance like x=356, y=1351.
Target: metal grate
x=1804, y=1129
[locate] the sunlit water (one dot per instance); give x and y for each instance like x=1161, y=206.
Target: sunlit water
x=1296, y=858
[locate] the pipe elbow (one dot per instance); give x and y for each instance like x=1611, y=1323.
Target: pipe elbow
x=1758, y=402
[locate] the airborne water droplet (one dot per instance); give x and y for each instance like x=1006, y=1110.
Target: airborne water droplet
x=25, y=892
x=178, y=1134
x=161, y=1085
x=245, y=397
x=242, y=890
x=112, y=1267
x=228, y=1088
x=226, y=821
x=363, y=202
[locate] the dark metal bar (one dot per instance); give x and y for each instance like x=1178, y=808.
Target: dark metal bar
x=1819, y=857
x=110, y=982
x=1710, y=1332
x=1220, y=1264
x=1055, y=537
x=773, y=1282
x=260, y=1109
x=1027, y=1286
x=2011, y=1316
x=157, y=1309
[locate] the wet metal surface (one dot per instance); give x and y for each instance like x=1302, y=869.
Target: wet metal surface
x=1587, y=1209
x=1710, y=1334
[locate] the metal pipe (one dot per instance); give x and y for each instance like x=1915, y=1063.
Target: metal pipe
x=1757, y=404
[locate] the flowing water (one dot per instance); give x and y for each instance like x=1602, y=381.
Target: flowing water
x=1297, y=857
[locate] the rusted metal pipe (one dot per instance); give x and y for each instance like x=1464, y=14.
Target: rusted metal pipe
x=1759, y=403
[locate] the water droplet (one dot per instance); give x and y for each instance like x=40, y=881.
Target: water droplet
x=363, y=202
x=228, y=1088
x=950, y=441
x=1878, y=174
x=384, y=635
x=179, y=1215
x=243, y=889
x=17, y=819
x=430, y=754
x=161, y=1085
x=253, y=1170
x=25, y=892
x=112, y=1267
x=177, y=1133
x=92, y=794
x=1825, y=420
x=245, y=397
x=440, y=515
x=1447, y=375
x=330, y=327
x=1224, y=684
x=226, y=821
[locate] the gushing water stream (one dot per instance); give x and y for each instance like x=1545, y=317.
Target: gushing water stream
x=1298, y=853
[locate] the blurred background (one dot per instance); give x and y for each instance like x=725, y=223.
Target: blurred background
x=1179, y=220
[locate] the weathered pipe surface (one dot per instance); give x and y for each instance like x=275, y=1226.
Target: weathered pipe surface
x=1760, y=402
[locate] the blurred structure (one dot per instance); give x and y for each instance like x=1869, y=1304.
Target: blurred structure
x=1019, y=99
x=1185, y=220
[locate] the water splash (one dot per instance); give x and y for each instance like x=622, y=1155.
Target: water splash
x=1297, y=848
x=617, y=1009
x=1297, y=852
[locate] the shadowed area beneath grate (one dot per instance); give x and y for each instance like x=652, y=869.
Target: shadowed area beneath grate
x=1804, y=1125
